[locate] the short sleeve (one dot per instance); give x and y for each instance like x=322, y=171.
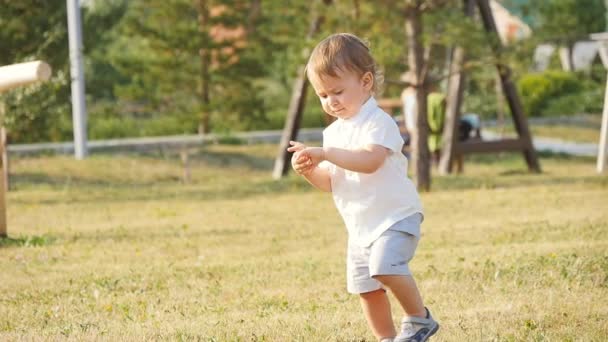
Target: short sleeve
x=327, y=136
x=383, y=131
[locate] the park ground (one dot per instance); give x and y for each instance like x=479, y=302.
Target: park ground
x=120, y=247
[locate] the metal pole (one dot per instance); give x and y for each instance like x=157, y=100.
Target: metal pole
x=79, y=110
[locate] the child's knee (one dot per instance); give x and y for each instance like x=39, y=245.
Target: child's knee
x=372, y=294
x=389, y=280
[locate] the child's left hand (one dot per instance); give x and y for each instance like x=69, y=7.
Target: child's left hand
x=315, y=154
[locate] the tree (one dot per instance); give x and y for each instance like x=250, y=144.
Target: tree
x=420, y=64
x=33, y=29
x=564, y=22
x=420, y=148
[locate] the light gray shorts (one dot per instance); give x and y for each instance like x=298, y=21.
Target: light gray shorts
x=388, y=255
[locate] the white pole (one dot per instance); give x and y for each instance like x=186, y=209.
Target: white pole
x=79, y=110
x=603, y=146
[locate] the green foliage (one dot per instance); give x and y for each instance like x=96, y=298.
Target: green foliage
x=537, y=89
x=33, y=30
x=565, y=21
x=559, y=93
x=143, y=68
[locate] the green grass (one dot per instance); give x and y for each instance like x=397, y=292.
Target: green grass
x=119, y=247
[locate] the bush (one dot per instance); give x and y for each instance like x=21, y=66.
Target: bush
x=588, y=102
x=538, y=90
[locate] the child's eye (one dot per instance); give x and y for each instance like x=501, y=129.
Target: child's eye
x=339, y=92
x=323, y=96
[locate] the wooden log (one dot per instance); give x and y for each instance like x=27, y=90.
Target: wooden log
x=510, y=91
x=14, y=75
x=602, y=152
x=504, y=145
x=3, y=167
x=296, y=107
x=390, y=104
x=456, y=85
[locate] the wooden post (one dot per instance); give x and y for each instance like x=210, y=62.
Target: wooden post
x=602, y=152
x=603, y=145
x=186, y=174
x=519, y=118
x=455, y=148
x=454, y=103
x=4, y=181
x=296, y=107
x=205, y=60
x=12, y=76
x=5, y=166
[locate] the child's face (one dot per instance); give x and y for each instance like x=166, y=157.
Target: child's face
x=343, y=96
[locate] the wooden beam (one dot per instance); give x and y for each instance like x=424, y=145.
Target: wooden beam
x=3, y=168
x=519, y=118
x=3, y=186
x=503, y=145
x=292, y=125
x=456, y=85
x=389, y=104
x=296, y=107
x=603, y=144
x=15, y=75
x=602, y=151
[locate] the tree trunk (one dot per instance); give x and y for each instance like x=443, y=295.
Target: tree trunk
x=255, y=10
x=203, y=21
x=419, y=142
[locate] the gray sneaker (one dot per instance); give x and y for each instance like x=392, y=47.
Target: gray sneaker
x=417, y=329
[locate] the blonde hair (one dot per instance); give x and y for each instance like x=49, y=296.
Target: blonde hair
x=342, y=52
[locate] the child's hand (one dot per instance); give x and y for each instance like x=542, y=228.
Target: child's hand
x=314, y=154
x=301, y=164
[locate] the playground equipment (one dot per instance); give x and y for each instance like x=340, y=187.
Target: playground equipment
x=603, y=143
x=453, y=149
x=13, y=76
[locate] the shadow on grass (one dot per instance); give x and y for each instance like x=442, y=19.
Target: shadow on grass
x=505, y=170
x=511, y=171
x=199, y=159
x=190, y=192
x=516, y=158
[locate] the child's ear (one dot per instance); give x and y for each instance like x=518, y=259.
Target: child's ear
x=368, y=81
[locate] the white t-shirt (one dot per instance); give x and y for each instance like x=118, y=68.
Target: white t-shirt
x=370, y=203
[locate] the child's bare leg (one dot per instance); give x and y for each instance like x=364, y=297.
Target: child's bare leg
x=405, y=290
x=377, y=309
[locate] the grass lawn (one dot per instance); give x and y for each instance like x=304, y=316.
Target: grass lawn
x=117, y=247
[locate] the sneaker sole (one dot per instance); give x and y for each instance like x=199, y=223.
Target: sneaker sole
x=431, y=333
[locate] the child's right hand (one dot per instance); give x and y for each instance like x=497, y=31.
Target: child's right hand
x=303, y=165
